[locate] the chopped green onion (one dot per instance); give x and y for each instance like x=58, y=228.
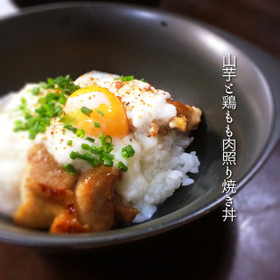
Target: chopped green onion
x=70, y=169
x=128, y=151
x=19, y=126
x=108, y=162
x=86, y=147
x=50, y=105
x=109, y=149
x=86, y=111
x=80, y=133
x=68, y=120
x=50, y=81
x=95, y=162
x=143, y=80
x=70, y=142
x=62, y=99
x=23, y=102
x=100, y=112
x=96, y=155
x=96, y=124
x=49, y=109
x=35, y=91
x=93, y=149
x=107, y=156
x=122, y=167
x=65, y=84
x=105, y=140
x=86, y=156
x=70, y=127
x=127, y=78
x=90, y=139
x=92, y=160
x=44, y=85
x=23, y=106
x=32, y=135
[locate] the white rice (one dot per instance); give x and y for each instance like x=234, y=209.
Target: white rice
x=158, y=172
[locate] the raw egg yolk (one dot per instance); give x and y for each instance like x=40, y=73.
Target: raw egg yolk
x=106, y=113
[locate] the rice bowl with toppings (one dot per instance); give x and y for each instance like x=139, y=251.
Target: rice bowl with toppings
x=93, y=154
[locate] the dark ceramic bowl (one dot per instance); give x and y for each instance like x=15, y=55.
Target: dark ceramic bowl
x=173, y=53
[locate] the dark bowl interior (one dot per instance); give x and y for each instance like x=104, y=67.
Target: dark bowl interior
x=172, y=53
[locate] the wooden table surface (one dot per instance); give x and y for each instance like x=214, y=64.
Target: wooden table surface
x=248, y=248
